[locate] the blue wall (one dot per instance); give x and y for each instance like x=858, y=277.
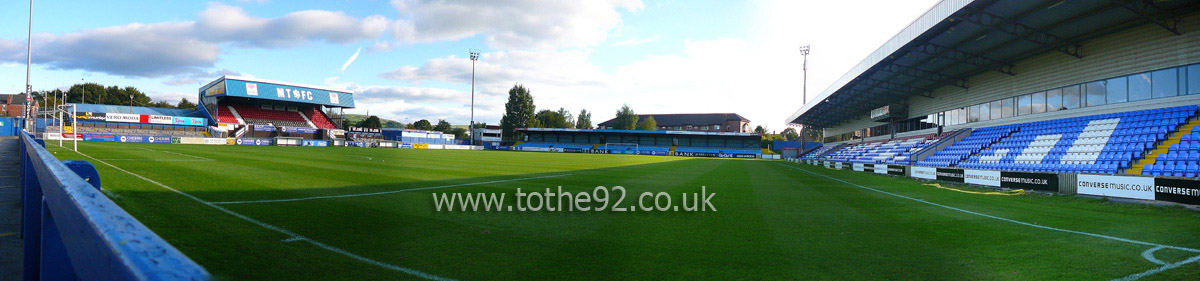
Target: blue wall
x=9, y=126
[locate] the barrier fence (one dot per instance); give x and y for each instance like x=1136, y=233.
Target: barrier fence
x=1182, y=190
x=72, y=231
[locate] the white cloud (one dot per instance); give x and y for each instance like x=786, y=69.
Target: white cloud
x=636, y=41
x=720, y=75
x=351, y=60
x=174, y=48
x=224, y=23
x=511, y=24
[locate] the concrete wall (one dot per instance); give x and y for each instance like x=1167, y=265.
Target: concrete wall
x=1140, y=49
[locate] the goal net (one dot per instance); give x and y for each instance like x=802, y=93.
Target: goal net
x=621, y=148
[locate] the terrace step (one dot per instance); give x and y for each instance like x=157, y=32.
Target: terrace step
x=1162, y=148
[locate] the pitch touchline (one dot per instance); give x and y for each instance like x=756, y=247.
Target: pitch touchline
x=1000, y=218
x=384, y=192
x=278, y=229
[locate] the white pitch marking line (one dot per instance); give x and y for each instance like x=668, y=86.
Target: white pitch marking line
x=177, y=153
x=278, y=229
x=1127, y=278
x=368, y=158
x=384, y=192
x=1149, y=255
x=1005, y=219
x=1159, y=269
x=157, y=160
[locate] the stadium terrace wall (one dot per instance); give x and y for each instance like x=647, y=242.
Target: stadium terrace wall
x=71, y=231
x=1144, y=48
x=1165, y=189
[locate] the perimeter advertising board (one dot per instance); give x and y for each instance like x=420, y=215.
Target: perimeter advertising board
x=1178, y=190
x=982, y=177
x=929, y=173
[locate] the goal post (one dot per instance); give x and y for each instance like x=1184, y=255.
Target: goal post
x=621, y=148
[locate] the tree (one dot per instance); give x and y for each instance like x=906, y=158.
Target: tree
x=371, y=122
x=760, y=130
x=442, y=126
x=423, y=125
x=568, y=120
x=185, y=104
x=648, y=125
x=534, y=123
x=584, y=120
x=551, y=119
x=626, y=119
x=790, y=134
x=517, y=111
x=459, y=133
x=480, y=125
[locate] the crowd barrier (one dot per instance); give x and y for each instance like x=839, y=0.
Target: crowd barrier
x=72, y=231
x=1158, y=188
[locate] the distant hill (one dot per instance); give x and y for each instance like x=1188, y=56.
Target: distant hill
x=387, y=123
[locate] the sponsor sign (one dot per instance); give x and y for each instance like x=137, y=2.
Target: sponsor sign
x=333, y=98
x=364, y=130
x=123, y=117
x=100, y=116
x=409, y=146
x=99, y=137
x=950, y=174
x=1023, y=180
x=929, y=173
x=838, y=166
x=982, y=177
x=189, y=121
x=895, y=170
x=303, y=130
x=264, y=128
x=191, y=140
x=158, y=139
x=426, y=146
x=1115, y=186
x=858, y=167
x=251, y=89
x=880, y=169
x=215, y=141
x=160, y=119
x=252, y=141
x=1177, y=190
x=315, y=143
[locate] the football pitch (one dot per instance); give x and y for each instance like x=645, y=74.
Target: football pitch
x=319, y=213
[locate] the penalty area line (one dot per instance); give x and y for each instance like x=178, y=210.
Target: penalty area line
x=292, y=235
x=384, y=192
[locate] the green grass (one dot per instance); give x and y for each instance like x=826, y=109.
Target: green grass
x=774, y=221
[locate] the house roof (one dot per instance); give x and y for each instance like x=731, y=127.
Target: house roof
x=680, y=119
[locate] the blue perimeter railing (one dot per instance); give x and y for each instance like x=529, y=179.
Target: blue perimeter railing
x=73, y=232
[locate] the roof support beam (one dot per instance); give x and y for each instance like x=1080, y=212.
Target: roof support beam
x=1018, y=30
x=965, y=57
x=925, y=75
x=872, y=83
x=1152, y=13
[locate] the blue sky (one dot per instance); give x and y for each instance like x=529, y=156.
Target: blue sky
x=656, y=56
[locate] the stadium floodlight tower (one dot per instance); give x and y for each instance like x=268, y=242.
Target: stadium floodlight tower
x=471, y=128
x=804, y=88
x=28, y=63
